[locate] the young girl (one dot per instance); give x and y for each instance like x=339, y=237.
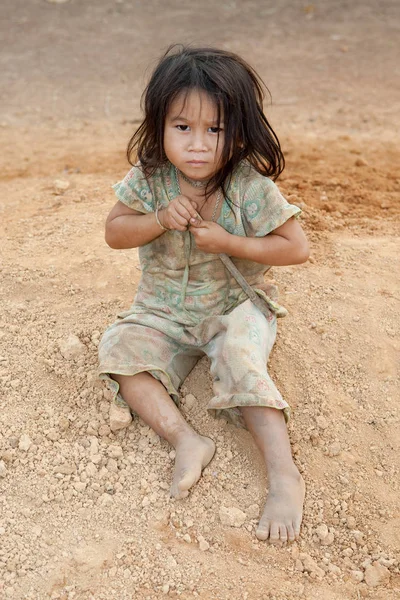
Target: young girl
x=202, y=188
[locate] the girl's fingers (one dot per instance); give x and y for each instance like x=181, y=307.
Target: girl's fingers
x=176, y=225
x=189, y=205
x=183, y=212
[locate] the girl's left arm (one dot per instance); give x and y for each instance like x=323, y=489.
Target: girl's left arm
x=285, y=245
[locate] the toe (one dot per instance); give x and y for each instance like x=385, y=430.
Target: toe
x=274, y=534
x=291, y=533
x=262, y=532
x=283, y=534
x=187, y=480
x=296, y=527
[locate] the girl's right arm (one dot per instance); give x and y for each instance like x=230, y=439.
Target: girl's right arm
x=128, y=228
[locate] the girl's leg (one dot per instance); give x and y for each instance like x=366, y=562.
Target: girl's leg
x=282, y=515
x=150, y=400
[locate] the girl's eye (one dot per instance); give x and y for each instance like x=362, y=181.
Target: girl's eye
x=183, y=127
x=215, y=129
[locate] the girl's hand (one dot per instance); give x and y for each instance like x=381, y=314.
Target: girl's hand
x=178, y=213
x=210, y=237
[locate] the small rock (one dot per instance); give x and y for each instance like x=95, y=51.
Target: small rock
x=231, y=516
x=25, y=442
x=203, y=545
x=91, y=470
x=351, y=522
x=357, y=576
x=334, y=449
x=321, y=422
x=104, y=430
x=71, y=347
x=359, y=537
x=298, y=565
x=115, y=451
x=165, y=588
x=3, y=469
x=330, y=538
x=120, y=417
x=376, y=574
x=112, y=465
x=334, y=569
x=190, y=401
x=80, y=486
x=13, y=441
x=65, y=469
x=53, y=435
x=63, y=423
x=186, y=538
x=322, y=531
x=60, y=185
x=361, y=162
x=310, y=565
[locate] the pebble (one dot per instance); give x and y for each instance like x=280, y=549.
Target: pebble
x=25, y=442
x=60, y=185
x=334, y=569
x=119, y=416
x=3, y=469
x=13, y=441
x=203, y=544
x=186, y=538
x=71, y=347
x=376, y=574
x=322, y=531
x=351, y=522
x=190, y=401
x=334, y=449
x=357, y=576
x=65, y=469
x=115, y=451
x=104, y=430
x=80, y=486
x=63, y=423
x=361, y=162
x=321, y=422
x=298, y=565
x=310, y=565
x=231, y=516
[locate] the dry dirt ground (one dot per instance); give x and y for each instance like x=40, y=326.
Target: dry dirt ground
x=84, y=512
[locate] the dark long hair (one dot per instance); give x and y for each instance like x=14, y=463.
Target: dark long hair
x=238, y=93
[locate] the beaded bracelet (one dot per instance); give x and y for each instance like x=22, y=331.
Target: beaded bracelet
x=159, y=222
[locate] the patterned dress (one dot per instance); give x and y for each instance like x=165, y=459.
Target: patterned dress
x=188, y=305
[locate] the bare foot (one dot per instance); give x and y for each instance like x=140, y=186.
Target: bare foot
x=193, y=453
x=283, y=510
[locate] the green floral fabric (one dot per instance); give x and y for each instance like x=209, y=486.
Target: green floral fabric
x=187, y=302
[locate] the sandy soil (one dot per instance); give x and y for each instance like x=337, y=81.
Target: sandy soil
x=84, y=512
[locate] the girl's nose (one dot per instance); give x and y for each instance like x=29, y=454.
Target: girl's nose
x=197, y=143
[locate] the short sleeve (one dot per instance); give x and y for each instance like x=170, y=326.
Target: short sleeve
x=264, y=207
x=134, y=191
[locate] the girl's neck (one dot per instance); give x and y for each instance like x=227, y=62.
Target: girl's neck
x=199, y=185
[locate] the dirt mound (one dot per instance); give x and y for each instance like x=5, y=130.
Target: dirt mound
x=85, y=512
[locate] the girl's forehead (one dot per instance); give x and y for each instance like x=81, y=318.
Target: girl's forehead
x=193, y=105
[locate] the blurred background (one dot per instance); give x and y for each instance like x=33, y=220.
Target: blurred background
x=327, y=63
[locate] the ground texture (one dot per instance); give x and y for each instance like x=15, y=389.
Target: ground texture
x=85, y=512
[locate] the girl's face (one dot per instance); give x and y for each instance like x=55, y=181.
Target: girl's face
x=193, y=138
